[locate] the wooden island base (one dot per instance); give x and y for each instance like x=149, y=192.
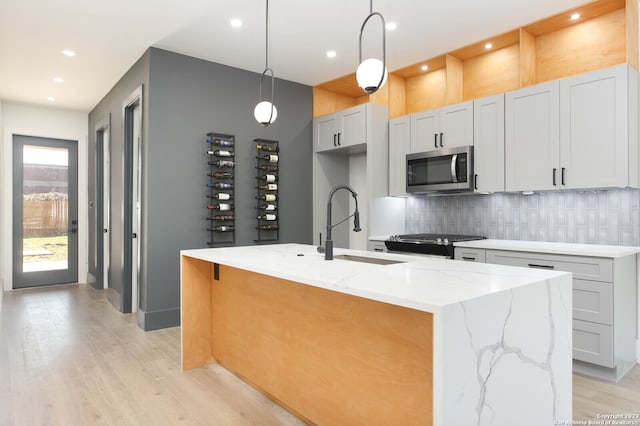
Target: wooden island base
x=328, y=357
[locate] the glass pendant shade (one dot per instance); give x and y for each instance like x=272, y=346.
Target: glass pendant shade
x=265, y=113
x=368, y=75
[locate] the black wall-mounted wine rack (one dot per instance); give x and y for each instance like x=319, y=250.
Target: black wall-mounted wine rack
x=221, y=161
x=267, y=189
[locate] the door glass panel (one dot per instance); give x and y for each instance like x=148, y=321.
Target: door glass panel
x=45, y=208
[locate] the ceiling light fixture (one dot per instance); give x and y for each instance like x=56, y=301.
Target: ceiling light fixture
x=488, y=46
x=58, y=79
x=575, y=16
x=69, y=53
x=265, y=112
x=236, y=23
x=424, y=67
x=331, y=53
x=391, y=26
x=51, y=98
x=372, y=73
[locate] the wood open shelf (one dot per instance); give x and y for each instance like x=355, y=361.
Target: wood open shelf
x=553, y=48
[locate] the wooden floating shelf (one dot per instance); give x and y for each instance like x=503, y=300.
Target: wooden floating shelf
x=553, y=48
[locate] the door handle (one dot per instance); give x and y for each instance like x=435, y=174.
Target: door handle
x=562, y=176
x=339, y=134
x=441, y=140
x=134, y=235
x=475, y=181
x=555, y=172
x=454, y=160
x=435, y=140
x=334, y=139
x=105, y=230
x=536, y=265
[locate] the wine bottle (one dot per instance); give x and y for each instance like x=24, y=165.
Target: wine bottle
x=221, y=196
x=268, y=178
x=222, y=163
x=221, y=153
x=268, y=167
x=267, y=217
x=272, y=158
x=268, y=148
x=222, y=207
x=226, y=143
x=221, y=175
x=221, y=185
x=269, y=227
x=221, y=228
x=268, y=207
x=268, y=187
x=222, y=218
x=267, y=197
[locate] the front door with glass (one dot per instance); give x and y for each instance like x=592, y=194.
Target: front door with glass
x=45, y=211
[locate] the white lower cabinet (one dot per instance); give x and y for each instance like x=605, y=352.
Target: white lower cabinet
x=604, y=307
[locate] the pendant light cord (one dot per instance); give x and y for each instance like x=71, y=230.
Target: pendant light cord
x=266, y=26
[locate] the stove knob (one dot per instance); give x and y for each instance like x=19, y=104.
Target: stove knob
x=439, y=240
x=446, y=241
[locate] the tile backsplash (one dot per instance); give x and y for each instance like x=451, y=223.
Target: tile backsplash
x=590, y=217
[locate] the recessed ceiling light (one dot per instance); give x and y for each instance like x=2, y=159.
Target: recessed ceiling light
x=488, y=46
x=331, y=53
x=51, y=98
x=69, y=53
x=58, y=79
x=424, y=67
x=392, y=26
x=236, y=23
x=575, y=16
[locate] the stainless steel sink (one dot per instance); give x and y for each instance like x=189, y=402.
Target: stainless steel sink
x=364, y=259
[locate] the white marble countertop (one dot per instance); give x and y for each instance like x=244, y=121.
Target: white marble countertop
x=379, y=237
x=425, y=284
x=593, y=250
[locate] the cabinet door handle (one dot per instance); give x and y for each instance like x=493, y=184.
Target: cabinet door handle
x=475, y=181
x=468, y=258
x=435, y=140
x=562, y=176
x=535, y=265
x=441, y=140
x=555, y=172
x=334, y=139
x=339, y=134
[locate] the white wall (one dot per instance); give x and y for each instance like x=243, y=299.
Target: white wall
x=41, y=122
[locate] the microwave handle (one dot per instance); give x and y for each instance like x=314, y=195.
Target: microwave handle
x=454, y=175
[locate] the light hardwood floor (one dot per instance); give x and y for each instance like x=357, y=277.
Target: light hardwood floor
x=68, y=358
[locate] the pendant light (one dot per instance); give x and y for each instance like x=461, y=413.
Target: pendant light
x=265, y=112
x=372, y=73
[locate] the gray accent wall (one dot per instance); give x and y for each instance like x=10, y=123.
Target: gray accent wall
x=184, y=99
x=589, y=217
x=137, y=75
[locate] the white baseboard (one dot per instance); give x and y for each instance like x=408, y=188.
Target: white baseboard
x=638, y=350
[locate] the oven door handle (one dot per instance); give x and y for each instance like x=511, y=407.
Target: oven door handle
x=454, y=161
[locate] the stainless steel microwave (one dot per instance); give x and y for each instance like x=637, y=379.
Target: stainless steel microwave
x=441, y=170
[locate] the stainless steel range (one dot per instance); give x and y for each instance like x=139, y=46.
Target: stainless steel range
x=430, y=244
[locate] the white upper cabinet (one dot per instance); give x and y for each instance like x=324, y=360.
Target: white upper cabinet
x=446, y=127
x=342, y=129
x=532, y=138
x=597, y=124
x=399, y=146
x=488, y=144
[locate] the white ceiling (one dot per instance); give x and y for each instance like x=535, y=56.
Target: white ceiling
x=109, y=36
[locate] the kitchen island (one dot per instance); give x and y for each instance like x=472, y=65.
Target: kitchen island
x=378, y=338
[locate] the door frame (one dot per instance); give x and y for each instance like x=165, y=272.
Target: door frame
x=132, y=175
x=43, y=123
x=103, y=203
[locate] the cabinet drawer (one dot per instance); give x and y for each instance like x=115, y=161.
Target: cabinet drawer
x=586, y=268
x=593, y=301
x=593, y=343
x=469, y=254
